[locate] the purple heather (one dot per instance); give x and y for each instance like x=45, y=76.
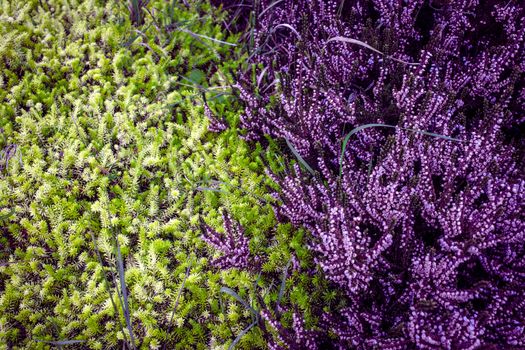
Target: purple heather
x=424, y=235
x=234, y=245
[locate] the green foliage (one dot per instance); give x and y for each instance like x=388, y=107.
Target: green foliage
x=115, y=145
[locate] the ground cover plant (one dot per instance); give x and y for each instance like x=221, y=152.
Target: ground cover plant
x=406, y=120
x=124, y=222
x=321, y=174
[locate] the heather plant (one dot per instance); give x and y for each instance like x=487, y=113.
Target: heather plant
x=419, y=223
x=111, y=179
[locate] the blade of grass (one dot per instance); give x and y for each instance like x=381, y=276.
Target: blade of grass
x=283, y=284
x=200, y=41
x=366, y=126
x=202, y=189
x=201, y=88
x=221, y=304
x=256, y=282
x=234, y=18
x=154, y=19
x=340, y=9
x=124, y=292
x=261, y=76
x=251, y=42
x=119, y=295
x=20, y=161
x=369, y=171
x=6, y=154
x=275, y=81
x=206, y=37
x=130, y=41
x=135, y=12
x=365, y=45
x=214, y=182
x=60, y=342
x=238, y=298
x=286, y=25
x=238, y=338
x=188, y=269
x=106, y=284
x=299, y=158
x=269, y=7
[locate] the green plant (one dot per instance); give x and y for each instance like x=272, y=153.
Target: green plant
x=102, y=214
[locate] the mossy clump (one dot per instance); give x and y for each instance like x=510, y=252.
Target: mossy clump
x=115, y=158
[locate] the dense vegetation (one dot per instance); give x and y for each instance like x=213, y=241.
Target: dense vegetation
x=407, y=118
x=267, y=174
x=110, y=177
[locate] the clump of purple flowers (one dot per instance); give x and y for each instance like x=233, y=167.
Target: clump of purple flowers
x=425, y=235
x=234, y=245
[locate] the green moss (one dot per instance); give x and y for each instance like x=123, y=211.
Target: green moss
x=115, y=147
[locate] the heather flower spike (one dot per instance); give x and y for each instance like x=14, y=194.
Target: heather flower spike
x=233, y=244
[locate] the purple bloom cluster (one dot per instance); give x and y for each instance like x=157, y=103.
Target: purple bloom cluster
x=425, y=235
x=296, y=339
x=216, y=124
x=234, y=247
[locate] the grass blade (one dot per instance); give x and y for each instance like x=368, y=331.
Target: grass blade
x=135, y=37
x=283, y=284
x=106, y=284
x=119, y=295
x=60, y=342
x=286, y=25
x=238, y=298
x=365, y=45
x=238, y=338
x=299, y=158
x=202, y=189
x=261, y=76
x=269, y=7
x=366, y=126
x=207, y=37
x=124, y=292
x=256, y=282
x=188, y=269
x=221, y=304
x=180, y=291
x=341, y=6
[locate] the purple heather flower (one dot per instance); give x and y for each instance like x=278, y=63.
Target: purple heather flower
x=424, y=235
x=234, y=245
